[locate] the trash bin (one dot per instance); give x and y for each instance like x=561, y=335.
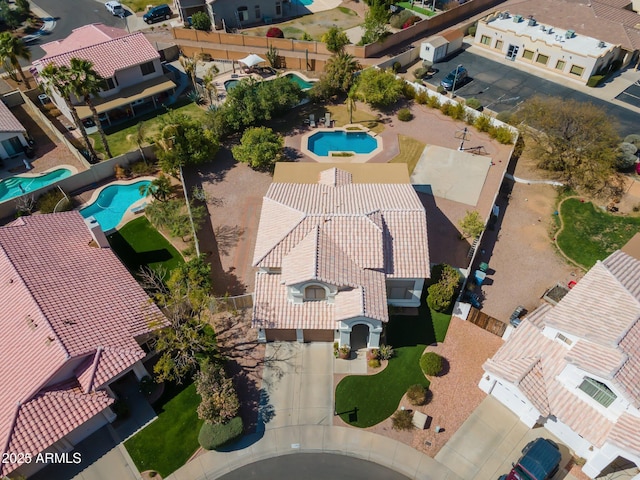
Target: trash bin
x=484, y=267
x=480, y=276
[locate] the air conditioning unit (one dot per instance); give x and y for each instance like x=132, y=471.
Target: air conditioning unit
x=550, y=30
x=570, y=34
x=532, y=22
x=517, y=18
x=543, y=28
x=501, y=16
x=601, y=44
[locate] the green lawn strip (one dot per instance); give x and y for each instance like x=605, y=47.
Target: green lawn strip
x=589, y=234
x=410, y=152
x=340, y=113
x=363, y=401
x=117, y=135
x=138, y=244
x=410, y=6
x=169, y=441
x=136, y=5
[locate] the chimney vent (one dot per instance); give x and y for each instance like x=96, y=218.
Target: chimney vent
x=96, y=232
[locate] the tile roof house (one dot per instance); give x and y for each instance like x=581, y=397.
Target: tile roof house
x=572, y=39
x=134, y=79
x=575, y=367
x=73, y=320
x=12, y=134
x=335, y=249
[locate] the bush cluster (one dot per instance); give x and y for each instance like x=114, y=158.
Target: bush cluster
x=441, y=294
x=402, y=420
x=385, y=352
x=397, y=20
x=405, y=115
x=275, y=32
x=214, y=436
x=48, y=201
x=420, y=72
x=473, y=103
x=417, y=394
x=431, y=363
x=411, y=21
x=374, y=363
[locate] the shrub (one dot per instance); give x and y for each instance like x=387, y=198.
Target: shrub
x=142, y=168
x=483, y=123
x=275, y=32
x=201, y=21
x=402, y=420
x=344, y=352
x=422, y=98
x=595, y=80
x=633, y=138
x=473, y=29
x=474, y=103
x=306, y=37
x=420, y=72
x=440, y=297
x=396, y=67
x=502, y=134
x=336, y=348
x=457, y=111
x=440, y=89
x=119, y=172
x=374, y=363
x=446, y=108
x=405, y=115
x=385, y=352
x=417, y=394
x=433, y=101
x=431, y=363
x=196, y=97
x=214, y=436
x=373, y=353
x=48, y=201
x=470, y=118
x=411, y=21
x=408, y=91
x=398, y=20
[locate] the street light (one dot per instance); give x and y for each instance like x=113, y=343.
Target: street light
x=455, y=80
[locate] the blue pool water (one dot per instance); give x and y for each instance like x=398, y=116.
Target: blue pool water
x=19, y=185
x=303, y=84
x=112, y=203
x=322, y=143
x=229, y=84
x=303, y=2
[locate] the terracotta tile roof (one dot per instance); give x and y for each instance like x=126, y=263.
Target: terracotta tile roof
x=347, y=235
x=83, y=37
x=61, y=299
x=105, y=364
x=625, y=433
x=533, y=383
x=597, y=359
x=605, y=20
x=108, y=55
x=8, y=121
x=50, y=415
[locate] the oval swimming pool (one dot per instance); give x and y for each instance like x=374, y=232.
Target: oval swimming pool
x=229, y=84
x=301, y=82
x=112, y=203
x=322, y=143
x=20, y=184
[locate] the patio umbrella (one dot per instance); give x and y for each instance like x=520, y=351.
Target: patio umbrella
x=252, y=60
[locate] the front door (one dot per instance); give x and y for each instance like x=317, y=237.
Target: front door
x=512, y=52
x=359, y=337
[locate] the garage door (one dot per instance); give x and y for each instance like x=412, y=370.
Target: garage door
x=509, y=399
x=318, y=335
x=280, y=335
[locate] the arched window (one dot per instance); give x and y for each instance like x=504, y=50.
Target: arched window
x=315, y=292
x=598, y=391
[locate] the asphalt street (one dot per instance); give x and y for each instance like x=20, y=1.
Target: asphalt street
x=70, y=14
x=503, y=88
x=311, y=466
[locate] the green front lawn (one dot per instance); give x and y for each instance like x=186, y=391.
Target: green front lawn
x=169, y=441
x=139, y=244
x=589, y=234
x=410, y=6
x=362, y=400
x=121, y=137
x=410, y=152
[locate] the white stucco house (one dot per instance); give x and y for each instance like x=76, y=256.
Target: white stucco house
x=575, y=367
x=336, y=246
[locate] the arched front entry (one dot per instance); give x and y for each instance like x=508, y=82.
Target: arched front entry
x=359, y=336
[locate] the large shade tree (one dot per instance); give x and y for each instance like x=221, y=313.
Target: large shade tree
x=379, y=88
x=86, y=84
x=60, y=79
x=578, y=141
x=260, y=147
x=12, y=49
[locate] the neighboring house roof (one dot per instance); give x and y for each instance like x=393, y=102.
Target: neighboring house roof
x=110, y=49
x=8, y=121
x=62, y=301
x=603, y=312
x=606, y=20
x=349, y=235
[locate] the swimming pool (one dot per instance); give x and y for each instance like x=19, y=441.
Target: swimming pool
x=112, y=203
x=322, y=143
x=303, y=2
x=229, y=84
x=20, y=184
x=303, y=84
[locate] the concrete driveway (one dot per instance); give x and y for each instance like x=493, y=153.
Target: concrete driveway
x=502, y=87
x=491, y=439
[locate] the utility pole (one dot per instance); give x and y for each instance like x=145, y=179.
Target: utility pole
x=455, y=80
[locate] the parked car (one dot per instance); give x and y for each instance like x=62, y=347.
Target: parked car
x=459, y=75
x=540, y=461
x=115, y=8
x=156, y=14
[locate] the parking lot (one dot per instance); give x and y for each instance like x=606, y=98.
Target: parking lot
x=631, y=95
x=502, y=87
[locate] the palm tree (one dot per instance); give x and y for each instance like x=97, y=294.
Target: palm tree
x=190, y=65
x=352, y=96
x=208, y=82
x=60, y=79
x=86, y=84
x=12, y=48
x=340, y=71
x=160, y=188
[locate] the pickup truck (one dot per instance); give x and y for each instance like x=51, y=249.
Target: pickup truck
x=540, y=461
